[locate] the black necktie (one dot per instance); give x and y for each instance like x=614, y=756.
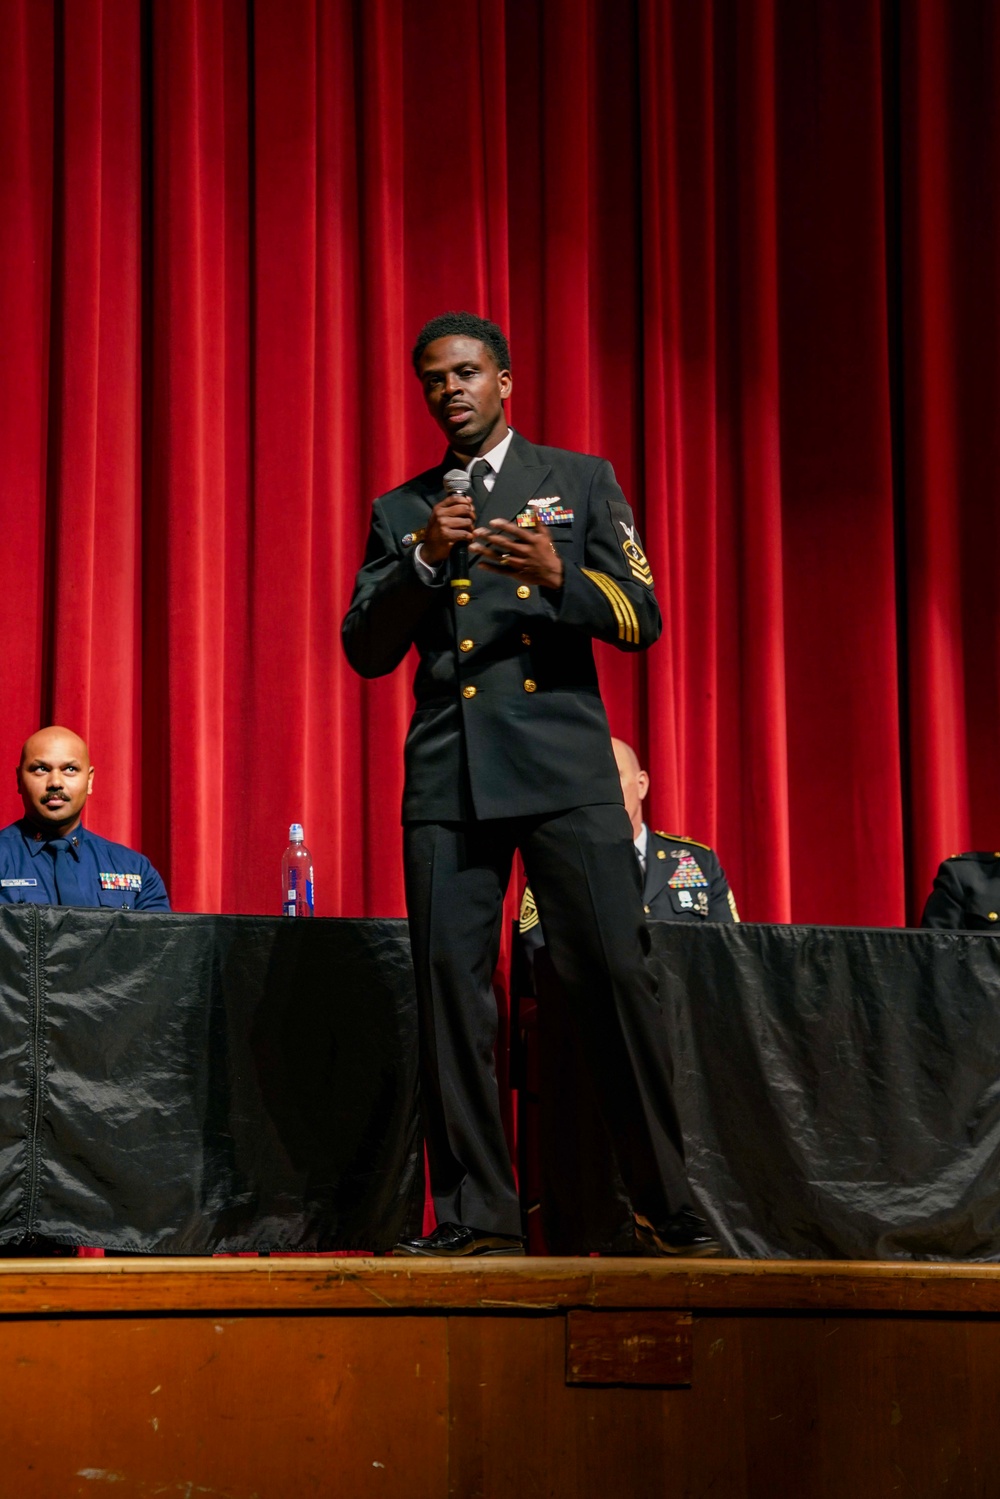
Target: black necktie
x=69, y=886
x=480, y=493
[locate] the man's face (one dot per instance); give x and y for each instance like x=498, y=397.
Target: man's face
x=54, y=779
x=464, y=391
x=635, y=782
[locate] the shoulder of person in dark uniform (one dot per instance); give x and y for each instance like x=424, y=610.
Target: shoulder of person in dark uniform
x=966, y=894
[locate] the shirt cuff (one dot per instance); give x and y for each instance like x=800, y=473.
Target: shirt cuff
x=426, y=571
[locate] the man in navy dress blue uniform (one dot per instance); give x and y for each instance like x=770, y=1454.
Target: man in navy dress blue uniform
x=502, y=591
x=49, y=857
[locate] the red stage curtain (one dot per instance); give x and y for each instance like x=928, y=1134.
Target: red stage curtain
x=746, y=249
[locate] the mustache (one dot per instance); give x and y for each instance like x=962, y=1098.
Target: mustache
x=54, y=796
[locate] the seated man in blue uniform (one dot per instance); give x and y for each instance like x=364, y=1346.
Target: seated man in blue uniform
x=49, y=857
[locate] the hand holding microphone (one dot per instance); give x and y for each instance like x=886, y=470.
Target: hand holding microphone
x=450, y=527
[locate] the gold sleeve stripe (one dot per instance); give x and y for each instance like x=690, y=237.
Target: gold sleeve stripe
x=732, y=905
x=626, y=604
x=628, y=623
x=600, y=581
x=529, y=911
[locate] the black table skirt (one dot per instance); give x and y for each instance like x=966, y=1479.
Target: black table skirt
x=839, y=1091
x=185, y=1084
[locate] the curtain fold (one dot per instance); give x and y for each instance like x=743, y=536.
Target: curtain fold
x=950, y=297
x=27, y=131
x=196, y=471
x=745, y=249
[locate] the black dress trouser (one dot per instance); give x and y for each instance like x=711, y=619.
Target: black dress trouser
x=583, y=871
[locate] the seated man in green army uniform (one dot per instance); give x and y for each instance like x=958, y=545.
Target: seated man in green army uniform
x=681, y=880
x=966, y=894
x=584, y=1204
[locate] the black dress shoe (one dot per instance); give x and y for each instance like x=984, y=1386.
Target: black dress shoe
x=452, y=1239
x=683, y=1234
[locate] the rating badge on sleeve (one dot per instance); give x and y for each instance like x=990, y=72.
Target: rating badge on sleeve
x=635, y=556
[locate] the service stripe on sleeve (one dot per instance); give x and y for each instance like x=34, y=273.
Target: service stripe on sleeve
x=630, y=615
x=600, y=581
x=628, y=623
x=629, y=610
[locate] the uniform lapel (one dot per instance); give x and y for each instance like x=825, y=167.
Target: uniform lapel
x=521, y=476
x=430, y=485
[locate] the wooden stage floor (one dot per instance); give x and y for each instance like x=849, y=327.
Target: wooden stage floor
x=273, y=1379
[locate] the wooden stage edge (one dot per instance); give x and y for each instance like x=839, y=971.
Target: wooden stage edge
x=46, y=1287
x=394, y=1378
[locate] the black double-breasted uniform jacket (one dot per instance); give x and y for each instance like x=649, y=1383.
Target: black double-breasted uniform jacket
x=508, y=719
x=966, y=894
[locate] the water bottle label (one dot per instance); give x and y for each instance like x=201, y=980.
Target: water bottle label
x=299, y=893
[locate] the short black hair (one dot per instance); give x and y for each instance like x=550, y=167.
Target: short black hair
x=463, y=325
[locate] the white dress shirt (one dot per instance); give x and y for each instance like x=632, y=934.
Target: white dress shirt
x=641, y=844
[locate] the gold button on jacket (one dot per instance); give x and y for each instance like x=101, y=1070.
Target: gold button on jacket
x=524, y=592
x=466, y=645
x=529, y=685
x=468, y=692
x=463, y=597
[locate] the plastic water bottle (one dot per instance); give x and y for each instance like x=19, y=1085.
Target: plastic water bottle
x=296, y=875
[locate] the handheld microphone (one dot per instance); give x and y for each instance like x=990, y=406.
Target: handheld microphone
x=457, y=481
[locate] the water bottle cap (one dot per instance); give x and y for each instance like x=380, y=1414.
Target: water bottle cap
x=295, y=833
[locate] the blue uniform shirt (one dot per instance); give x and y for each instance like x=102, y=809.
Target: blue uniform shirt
x=108, y=873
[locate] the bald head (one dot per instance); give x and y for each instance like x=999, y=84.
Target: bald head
x=54, y=779
x=635, y=782
x=54, y=739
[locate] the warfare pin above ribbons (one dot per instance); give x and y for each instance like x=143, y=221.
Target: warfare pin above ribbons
x=549, y=509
